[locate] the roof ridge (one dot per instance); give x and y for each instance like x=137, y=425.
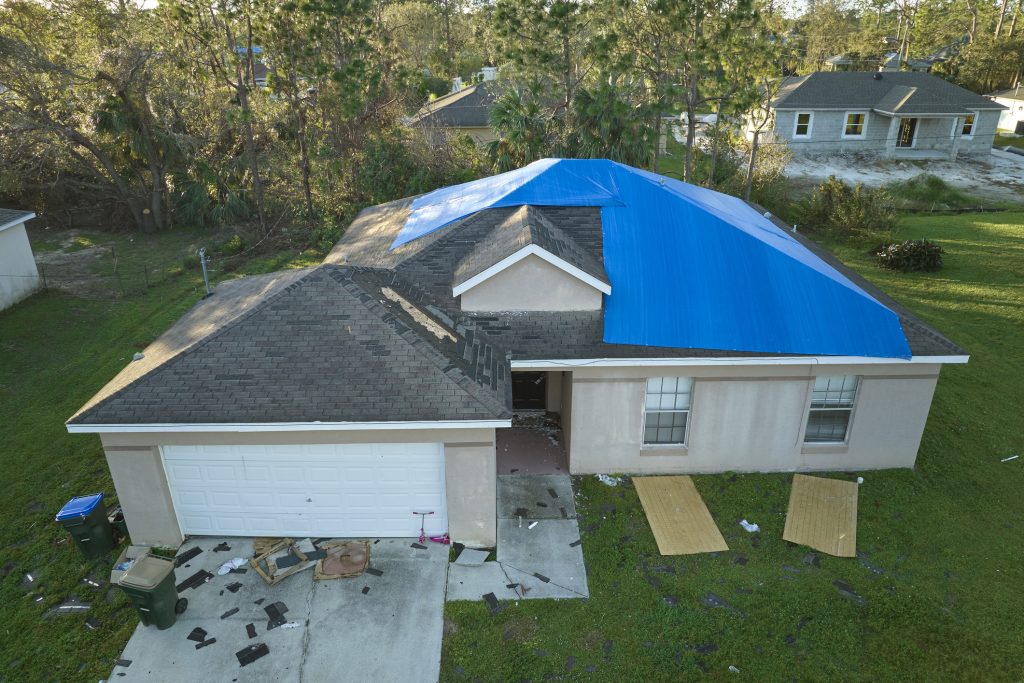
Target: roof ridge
x=194, y=346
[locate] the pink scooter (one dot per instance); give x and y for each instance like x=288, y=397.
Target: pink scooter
x=443, y=538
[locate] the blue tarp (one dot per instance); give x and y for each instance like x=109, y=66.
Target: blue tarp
x=689, y=267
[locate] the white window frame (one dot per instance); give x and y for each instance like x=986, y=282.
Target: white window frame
x=963, y=123
x=810, y=124
x=863, y=129
x=686, y=425
x=851, y=409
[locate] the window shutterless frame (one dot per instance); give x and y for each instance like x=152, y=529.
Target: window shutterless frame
x=831, y=409
x=803, y=124
x=665, y=418
x=969, y=123
x=855, y=125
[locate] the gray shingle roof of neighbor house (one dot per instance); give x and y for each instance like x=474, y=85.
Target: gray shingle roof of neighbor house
x=898, y=92
x=9, y=217
x=328, y=344
x=1010, y=93
x=467, y=108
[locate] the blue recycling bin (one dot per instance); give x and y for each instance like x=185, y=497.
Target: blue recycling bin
x=85, y=518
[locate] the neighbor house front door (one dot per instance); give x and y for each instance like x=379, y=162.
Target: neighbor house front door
x=908, y=129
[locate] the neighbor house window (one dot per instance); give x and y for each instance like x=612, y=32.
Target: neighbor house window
x=666, y=409
x=855, y=124
x=802, y=129
x=967, y=130
x=831, y=408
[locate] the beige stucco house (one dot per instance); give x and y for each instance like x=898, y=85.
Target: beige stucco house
x=465, y=111
x=338, y=400
x=18, y=274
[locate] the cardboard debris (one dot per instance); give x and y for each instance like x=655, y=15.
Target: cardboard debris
x=343, y=559
x=269, y=566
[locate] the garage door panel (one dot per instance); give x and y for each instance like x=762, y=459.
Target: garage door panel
x=322, y=490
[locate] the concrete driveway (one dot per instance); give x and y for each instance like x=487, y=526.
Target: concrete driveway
x=392, y=632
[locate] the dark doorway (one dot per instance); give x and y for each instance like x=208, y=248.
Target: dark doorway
x=908, y=129
x=529, y=390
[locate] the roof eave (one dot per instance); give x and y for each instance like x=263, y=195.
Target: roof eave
x=736, y=360
x=206, y=427
x=18, y=221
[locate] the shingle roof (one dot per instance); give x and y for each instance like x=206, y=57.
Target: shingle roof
x=521, y=227
x=1010, y=93
x=913, y=92
x=467, y=108
x=329, y=344
x=425, y=267
x=9, y=217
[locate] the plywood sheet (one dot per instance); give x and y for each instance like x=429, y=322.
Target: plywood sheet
x=823, y=515
x=678, y=516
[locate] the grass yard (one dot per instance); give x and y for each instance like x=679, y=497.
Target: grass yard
x=56, y=350
x=1004, y=140
x=941, y=570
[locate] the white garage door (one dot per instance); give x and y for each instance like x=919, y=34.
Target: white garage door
x=337, y=490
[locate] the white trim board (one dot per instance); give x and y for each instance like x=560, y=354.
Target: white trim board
x=531, y=250
x=764, y=360
x=17, y=221
x=283, y=426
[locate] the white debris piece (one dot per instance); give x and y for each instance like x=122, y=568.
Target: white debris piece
x=733, y=669
x=749, y=526
x=229, y=565
x=607, y=480
x=860, y=480
x=291, y=624
x=532, y=524
x=1012, y=457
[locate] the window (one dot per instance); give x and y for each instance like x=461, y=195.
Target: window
x=666, y=410
x=855, y=125
x=802, y=127
x=968, y=128
x=831, y=407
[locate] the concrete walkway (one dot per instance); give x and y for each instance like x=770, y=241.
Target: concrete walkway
x=543, y=562
x=392, y=632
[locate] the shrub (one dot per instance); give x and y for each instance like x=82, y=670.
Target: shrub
x=912, y=255
x=929, y=191
x=847, y=211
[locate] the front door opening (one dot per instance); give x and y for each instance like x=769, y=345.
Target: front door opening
x=529, y=390
x=908, y=129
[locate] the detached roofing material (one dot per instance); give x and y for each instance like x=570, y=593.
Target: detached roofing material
x=689, y=267
x=328, y=345
x=889, y=92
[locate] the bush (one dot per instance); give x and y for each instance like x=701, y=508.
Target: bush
x=847, y=211
x=927, y=191
x=910, y=256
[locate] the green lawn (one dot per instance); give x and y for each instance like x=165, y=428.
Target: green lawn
x=1003, y=140
x=942, y=573
x=56, y=350
x=947, y=536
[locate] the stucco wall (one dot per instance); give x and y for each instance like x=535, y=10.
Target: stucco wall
x=933, y=135
x=532, y=284
x=18, y=274
x=553, y=387
x=137, y=470
x=1014, y=112
x=747, y=419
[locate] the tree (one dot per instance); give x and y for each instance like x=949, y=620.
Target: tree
x=610, y=121
x=523, y=127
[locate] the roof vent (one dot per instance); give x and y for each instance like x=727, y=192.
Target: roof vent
x=877, y=76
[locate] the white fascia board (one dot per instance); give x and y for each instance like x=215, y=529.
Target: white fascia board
x=17, y=221
x=706, y=362
x=283, y=426
x=531, y=250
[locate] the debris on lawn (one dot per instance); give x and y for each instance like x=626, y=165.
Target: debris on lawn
x=860, y=480
x=198, y=579
x=229, y=565
x=846, y=590
x=750, y=527
x=733, y=669
x=1012, y=457
x=712, y=600
x=69, y=606
x=92, y=623
x=576, y=543
x=812, y=559
x=123, y=663
x=186, y=556
x=740, y=560
x=471, y=557
x=343, y=560
x=492, y=602
x=607, y=480
x=248, y=655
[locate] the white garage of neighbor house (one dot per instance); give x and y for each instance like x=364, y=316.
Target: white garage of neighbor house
x=18, y=274
x=672, y=328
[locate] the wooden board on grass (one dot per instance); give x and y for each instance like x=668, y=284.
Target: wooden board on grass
x=678, y=516
x=823, y=515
